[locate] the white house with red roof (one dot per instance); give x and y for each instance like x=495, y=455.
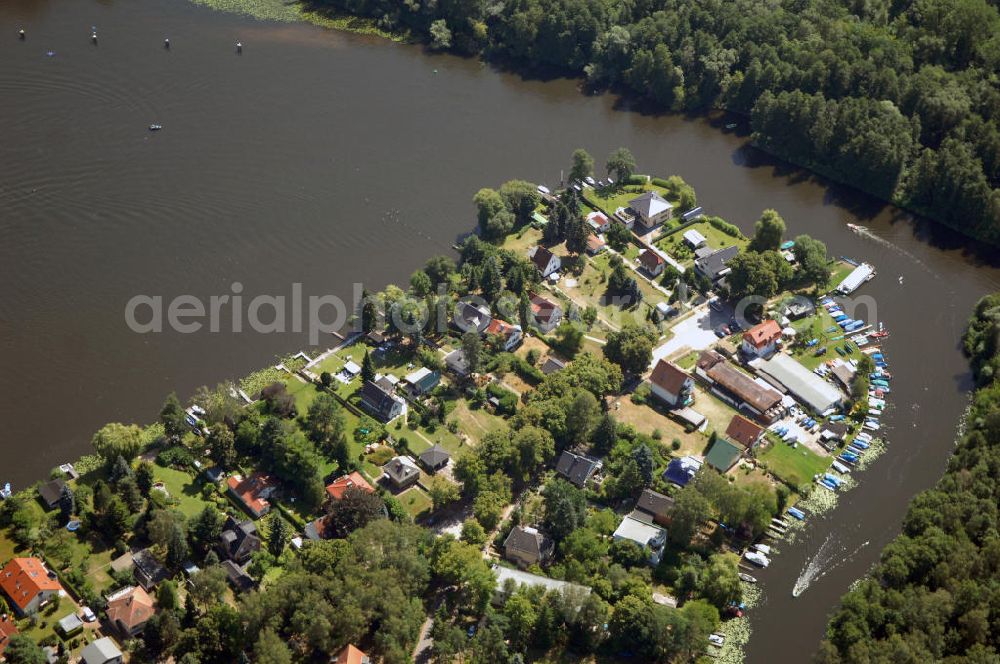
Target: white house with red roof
x=511, y=334
x=599, y=222
x=762, y=340
x=28, y=585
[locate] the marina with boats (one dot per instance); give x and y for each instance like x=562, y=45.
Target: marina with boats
x=856, y=434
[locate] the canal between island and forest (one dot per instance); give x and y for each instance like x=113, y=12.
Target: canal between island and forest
x=326, y=159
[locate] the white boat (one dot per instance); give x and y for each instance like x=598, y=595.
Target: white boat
x=747, y=578
x=757, y=558
x=716, y=639
x=155, y=127
x=763, y=548
x=5, y=492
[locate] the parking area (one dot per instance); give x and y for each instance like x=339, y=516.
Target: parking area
x=696, y=332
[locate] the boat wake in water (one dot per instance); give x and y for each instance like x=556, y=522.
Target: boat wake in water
x=864, y=232
x=821, y=564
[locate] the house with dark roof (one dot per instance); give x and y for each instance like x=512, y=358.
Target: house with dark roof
x=651, y=209
x=527, y=546
x=129, y=610
x=577, y=468
x=379, y=398
x=238, y=540
x=253, y=493
x=714, y=266
x=147, y=570
x=434, y=459
x=723, y=455
x=652, y=262
x=28, y=584
x=552, y=365
x=656, y=506
x=50, y=493
x=546, y=314
x=744, y=432
x=471, y=317
x=543, y=259
x=800, y=307
x=671, y=384
x=237, y=576
x=401, y=473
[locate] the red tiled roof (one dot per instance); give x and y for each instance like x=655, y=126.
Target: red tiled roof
x=668, y=376
x=250, y=490
x=743, y=431
x=131, y=609
x=7, y=630
x=763, y=334
x=337, y=488
x=498, y=326
x=350, y=655
x=23, y=578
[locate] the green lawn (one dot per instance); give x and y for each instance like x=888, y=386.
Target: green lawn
x=616, y=197
x=415, y=501
x=838, y=272
x=815, y=327
x=688, y=361
x=182, y=487
x=795, y=466
x=303, y=393
x=522, y=240
x=714, y=238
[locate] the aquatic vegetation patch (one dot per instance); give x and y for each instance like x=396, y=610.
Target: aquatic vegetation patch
x=260, y=379
x=737, y=631
x=287, y=12
x=265, y=10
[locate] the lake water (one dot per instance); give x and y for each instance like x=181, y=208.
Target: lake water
x=327, y=159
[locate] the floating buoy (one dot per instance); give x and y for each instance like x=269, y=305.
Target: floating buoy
x=20, y=34
x=166, y=43
x=239, y=47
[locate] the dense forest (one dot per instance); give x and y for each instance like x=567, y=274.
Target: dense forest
x=895, y=97
x=935, y=594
